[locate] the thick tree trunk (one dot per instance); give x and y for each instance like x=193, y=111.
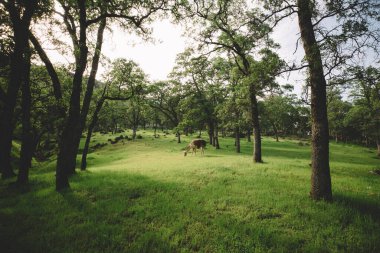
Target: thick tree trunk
x=320, y=178
x=27, y=136
x=93, y=122
x=21, y=31
x=65, y=163
x=256, y=126
x=237, y=139
x=7, y=117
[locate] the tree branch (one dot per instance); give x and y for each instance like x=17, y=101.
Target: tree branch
x=49, y=66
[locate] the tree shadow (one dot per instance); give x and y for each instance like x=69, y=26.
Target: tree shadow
x=360, y=204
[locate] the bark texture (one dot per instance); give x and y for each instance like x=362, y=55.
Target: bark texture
x=320, y=178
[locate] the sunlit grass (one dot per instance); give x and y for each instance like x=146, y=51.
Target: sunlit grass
x=145, y=196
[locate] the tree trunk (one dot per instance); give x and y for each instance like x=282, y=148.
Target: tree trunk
x=366, y=141
x=320, y=178
x=378, y=146
x=7, y=116
x=237, y=139
x=178, y=137
x=256, y=126
x=50, y=69
x=249, y=135
x=66, y=159
x=27, y=136
x=134, y=133
x=21, y=30
x=155, y=130
x=211, y=132
x=87, y=97
x=216, y=137
x=115, y=128
x=93, y=122
x=275, y=132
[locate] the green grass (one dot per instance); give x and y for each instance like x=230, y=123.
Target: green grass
x=145, y=196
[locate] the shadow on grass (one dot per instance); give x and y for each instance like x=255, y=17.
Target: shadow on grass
x=363, y=206
x=123, y=212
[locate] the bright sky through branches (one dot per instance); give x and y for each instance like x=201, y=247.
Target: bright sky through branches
x=157, y=59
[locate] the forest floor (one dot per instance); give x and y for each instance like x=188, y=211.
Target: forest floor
x=145, y=196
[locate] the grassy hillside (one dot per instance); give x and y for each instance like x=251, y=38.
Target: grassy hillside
x=145, y=196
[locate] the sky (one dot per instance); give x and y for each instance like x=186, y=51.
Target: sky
x=155, y=58
x=158, y=58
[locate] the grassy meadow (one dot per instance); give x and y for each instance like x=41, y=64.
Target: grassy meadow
x=145, y=196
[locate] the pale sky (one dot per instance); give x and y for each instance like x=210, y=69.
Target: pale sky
x=158, y=58
x=155, y=58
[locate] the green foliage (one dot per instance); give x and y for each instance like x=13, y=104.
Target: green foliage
x=282, y=114
x=338, y=114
